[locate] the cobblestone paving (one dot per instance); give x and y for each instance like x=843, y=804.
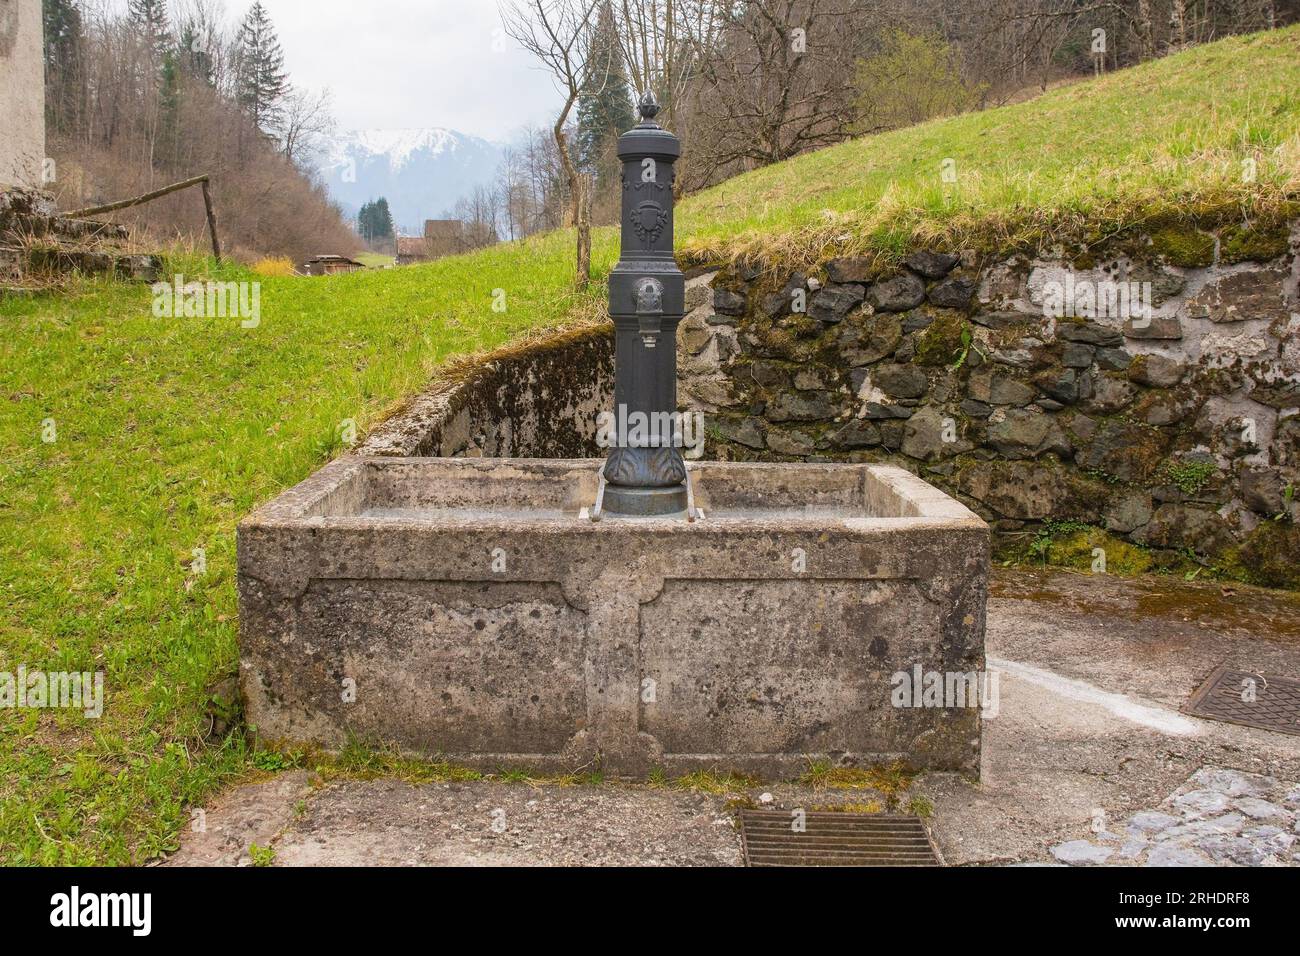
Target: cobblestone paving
x=1217, y=818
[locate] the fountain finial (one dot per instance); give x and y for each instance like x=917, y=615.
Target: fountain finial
x=649, y=106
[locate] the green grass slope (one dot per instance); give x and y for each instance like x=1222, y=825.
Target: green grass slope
x=166, y=432
x=169, y=430
x=1170, y=138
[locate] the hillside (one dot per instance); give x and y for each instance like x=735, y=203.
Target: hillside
x=1166, y=137
x=169, y=430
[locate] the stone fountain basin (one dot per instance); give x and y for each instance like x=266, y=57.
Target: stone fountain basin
x=463, y=608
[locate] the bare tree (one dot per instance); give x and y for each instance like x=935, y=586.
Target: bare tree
x=307, y=120
x=778, y=83
x=533, y=185
x=663, y=42
x=478, y=212
x=1144, y=30
x=1178, y=24
x=558, y=34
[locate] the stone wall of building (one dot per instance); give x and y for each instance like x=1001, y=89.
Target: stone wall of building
x=1178, y=431
x=22, y=93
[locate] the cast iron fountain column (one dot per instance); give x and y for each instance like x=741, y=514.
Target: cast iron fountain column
x=645, y=471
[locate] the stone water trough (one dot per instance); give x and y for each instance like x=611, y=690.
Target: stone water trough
x=470, y=609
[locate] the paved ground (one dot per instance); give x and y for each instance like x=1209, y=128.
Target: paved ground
x=1088, y=761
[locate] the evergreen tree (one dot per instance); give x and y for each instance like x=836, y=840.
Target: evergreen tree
x=261, y=82
x=194, y=56
x=374, y=221
x=169, y=106
x=150, y=18
x=383, y=219
x=605, y=100
x=65, y=93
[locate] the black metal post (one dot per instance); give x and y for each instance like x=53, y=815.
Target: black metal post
x=645, y=471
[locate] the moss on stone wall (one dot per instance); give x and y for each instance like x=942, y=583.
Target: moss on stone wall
x=1270, y=556
x=1184, y=246
x=941, y=342
x=1255, y=243
x=1082, y=548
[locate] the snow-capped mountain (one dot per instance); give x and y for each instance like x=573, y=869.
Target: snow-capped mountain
x=422, y=172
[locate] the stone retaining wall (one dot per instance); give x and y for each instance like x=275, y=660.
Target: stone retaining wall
x=1179, y=433
x=534, y=400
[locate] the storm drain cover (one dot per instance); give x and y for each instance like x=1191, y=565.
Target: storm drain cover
x=823, y=838
x=1249, y=699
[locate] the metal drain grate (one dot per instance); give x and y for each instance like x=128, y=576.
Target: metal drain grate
x=771, y=838
x=1252, y=700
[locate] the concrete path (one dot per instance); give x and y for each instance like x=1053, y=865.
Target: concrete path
x=1088, y=761
x=1095, y=669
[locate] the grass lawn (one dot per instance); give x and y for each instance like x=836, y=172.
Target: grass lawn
x=167, y=431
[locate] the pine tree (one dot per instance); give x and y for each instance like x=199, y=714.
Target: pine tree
x=65, y=93
x=150, y=18
x=261, y=82
x=194, y=56
x=605, y=101
x=374, y=221
x=169, y=106
x=383, y=219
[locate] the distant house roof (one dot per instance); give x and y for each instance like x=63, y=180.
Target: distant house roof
x=442, y=228
x=411, y=246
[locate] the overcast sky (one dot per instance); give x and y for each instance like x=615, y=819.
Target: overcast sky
x=409, y=63
x=412, y=63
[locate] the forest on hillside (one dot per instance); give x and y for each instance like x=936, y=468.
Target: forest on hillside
x=163, y=91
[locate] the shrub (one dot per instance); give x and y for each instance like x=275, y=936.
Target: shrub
x=912, y=79
x=278, y=266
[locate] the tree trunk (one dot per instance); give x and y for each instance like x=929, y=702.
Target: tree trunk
x=577, y=205
x=1144, y=30
x=1178, y=20
x=584, y=233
